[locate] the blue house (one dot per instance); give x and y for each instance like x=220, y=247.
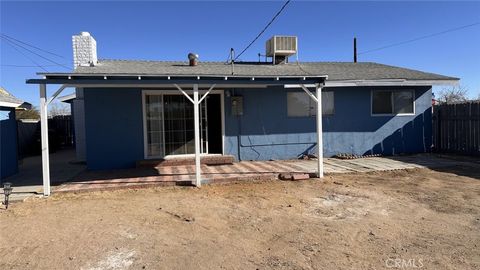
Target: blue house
x=8, y=134
x=138, y=110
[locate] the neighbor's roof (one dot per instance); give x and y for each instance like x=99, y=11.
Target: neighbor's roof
x=68, y=98
x=7, y=99
x=336, y=71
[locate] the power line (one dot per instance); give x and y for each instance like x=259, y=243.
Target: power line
x=420, y=38
x=264, y=29
x=25, y=66
x=28, y=57
x=30, y=45
x=39, y=55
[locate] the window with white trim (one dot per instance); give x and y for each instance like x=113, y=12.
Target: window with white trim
x=393, y=102
x=299, y=104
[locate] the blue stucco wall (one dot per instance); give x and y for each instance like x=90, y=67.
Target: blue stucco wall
x=266, y=132
x=8, y=142
x=113, y=128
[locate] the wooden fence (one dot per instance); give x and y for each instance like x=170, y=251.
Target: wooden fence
x=456, y=128
x=60, y=135
x=60, y=129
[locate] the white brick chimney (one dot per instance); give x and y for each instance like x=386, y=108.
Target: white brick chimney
x=84, y=50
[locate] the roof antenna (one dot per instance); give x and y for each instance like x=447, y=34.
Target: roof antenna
x=355, y=50
x=232, y=59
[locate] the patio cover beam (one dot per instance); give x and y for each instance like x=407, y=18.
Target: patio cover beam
x=56, y=94
x=206, y=94
x=308, y=92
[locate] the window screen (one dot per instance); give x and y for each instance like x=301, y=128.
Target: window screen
x=382, y=102
x=299, y=104
x=328, y=106
x=403, y=101
x=393, y=102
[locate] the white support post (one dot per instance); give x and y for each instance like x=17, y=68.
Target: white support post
x=44, y=137
x=319, y=131
x=196, y=119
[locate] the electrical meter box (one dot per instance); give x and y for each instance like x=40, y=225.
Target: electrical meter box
x=237, y=105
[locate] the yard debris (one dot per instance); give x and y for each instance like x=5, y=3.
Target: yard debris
x=352, y=156
x=308, y=157
x=179, y=216
x=338, y=183
x=293, y=176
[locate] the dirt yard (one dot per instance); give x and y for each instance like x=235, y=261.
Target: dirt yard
x=395, y=220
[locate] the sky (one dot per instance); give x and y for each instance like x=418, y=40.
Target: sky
x=161, y=30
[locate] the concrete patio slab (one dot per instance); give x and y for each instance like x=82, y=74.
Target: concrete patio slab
x=28, y=181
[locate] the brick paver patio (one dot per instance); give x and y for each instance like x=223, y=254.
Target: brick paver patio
x=245, y=170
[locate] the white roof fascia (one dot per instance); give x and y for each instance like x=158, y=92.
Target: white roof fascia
x=9, y=104
x=380, y=83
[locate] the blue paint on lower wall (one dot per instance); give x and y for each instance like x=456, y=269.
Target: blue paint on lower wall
x=8, y=143
x=114, y=126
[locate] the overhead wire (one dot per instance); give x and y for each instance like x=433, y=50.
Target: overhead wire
x=33, y=52
x=30, y=45
x=264, y=29
x=26, y=56
x=419, y=38
x=25, y=66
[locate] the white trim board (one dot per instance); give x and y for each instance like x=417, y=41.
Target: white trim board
x=380, y=83
x=176, y=92
x=163, y=86
x=9, y=104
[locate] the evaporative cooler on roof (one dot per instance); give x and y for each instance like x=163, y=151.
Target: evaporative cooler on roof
x=281, y=47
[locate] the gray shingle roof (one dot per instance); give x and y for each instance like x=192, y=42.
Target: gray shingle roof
x=5, y=96
x=336, y=71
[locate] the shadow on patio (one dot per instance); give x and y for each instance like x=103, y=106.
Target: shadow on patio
x=459, y=165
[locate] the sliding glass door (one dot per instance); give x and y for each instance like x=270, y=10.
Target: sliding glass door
x=170, y=126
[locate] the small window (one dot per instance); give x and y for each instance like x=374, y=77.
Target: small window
x=299, y=104
x=392, y=102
